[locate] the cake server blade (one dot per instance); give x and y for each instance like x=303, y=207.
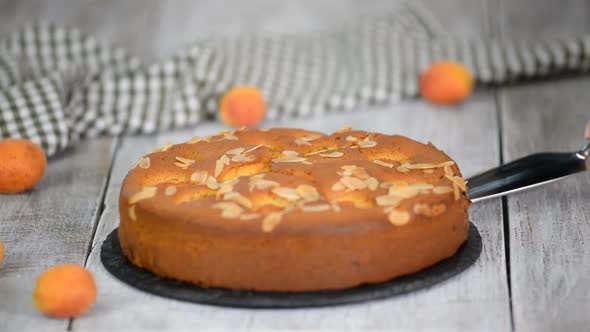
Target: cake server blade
x=527, y=172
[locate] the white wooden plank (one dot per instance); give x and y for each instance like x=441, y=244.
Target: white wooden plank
x=55, y=222
x=549, y=226
x=49, y=225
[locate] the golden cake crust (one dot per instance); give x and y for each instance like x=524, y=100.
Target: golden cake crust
x=292, y=210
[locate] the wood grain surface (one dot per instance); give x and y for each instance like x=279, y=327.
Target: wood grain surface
x=549, y=226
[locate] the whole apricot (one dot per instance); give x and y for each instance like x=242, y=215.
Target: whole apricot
x=22, y=165
x=242, y=106
x=446, y=82
x=64, y=291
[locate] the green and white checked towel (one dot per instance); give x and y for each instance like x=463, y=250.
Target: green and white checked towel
x=58, y=86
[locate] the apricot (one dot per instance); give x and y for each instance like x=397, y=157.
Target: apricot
x=446, y=82
x=242, y=106
x=64, y=291
x=22, y=165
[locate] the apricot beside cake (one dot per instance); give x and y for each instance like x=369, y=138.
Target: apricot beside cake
x=292, y=210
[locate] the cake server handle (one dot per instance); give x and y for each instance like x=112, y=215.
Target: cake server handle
x=527, y=172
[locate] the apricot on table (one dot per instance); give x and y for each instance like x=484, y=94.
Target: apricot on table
x=22, y=165
x=242, y=106
x=63, y=291
x=446, y=82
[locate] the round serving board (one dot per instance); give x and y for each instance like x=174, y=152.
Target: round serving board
x=117, y=264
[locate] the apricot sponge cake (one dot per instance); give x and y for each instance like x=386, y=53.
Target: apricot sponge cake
x=292, y=210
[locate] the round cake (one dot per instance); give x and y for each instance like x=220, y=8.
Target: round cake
x=292, y=210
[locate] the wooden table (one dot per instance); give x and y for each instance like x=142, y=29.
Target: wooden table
x=533, y=274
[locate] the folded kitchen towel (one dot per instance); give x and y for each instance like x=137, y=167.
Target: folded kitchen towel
x=58, y=86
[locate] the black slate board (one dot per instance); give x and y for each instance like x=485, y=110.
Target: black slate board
x=117, y=264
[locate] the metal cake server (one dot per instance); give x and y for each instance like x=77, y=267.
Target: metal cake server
x=527, y=172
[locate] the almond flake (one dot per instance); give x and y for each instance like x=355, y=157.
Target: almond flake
x=250, y=216
x=181, y=165
x=166, y=146
x=398, y=218
x=461, y=183
x=229, y=209
x=289, y=194
x=449, y=171
x=403, y=192
x=458, y=181
x=185, y=161
x=442, y=190
x=197, y=139
x=351, y=138
x=317, y=152
x=372, y=183
x=438, y=209
x=402, y=169
x=423, y=209
x=145, y=193
x=387, y=200
x=457, y=193
x=422, y=187
x=419, y=166
x=238, y=198
x=304, y=140
x=299, y=141
x=169, y=191
x=335, y=154
x=236, y=151
x=350, y=168
x=219, y=164
x=132, y=214
x=367, y=144
x=242, y=158
x=144, y=162
x=212, y=183
x=307, y=162
x=265, y=184
x=446, y=163
x=307, y=192
x=309, y=138
x=290, y=154
x=252, y=149
x=257, y=177
x=289, y=160
x=338, y=186
x=271, y=221
x=353, y=183
x=382, y=163
x=316, y=208
x=199, y=177
x=230, y=137
x=224, y=189
x=344, y=129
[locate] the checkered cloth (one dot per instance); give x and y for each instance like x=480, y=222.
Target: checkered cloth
x=58, y=86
